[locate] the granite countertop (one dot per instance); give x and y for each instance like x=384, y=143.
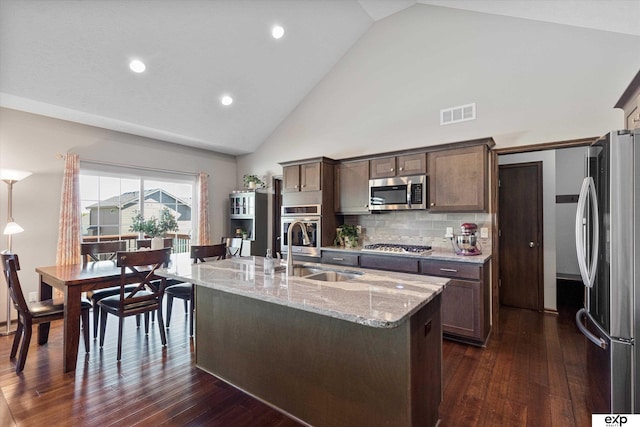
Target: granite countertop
x=375, y=298
x=437, y=254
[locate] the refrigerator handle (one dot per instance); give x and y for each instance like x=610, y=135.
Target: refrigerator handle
x=588, y=190
x=593, y=338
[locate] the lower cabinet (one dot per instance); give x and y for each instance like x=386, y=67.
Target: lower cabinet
x=466, y=306
x=466, y=303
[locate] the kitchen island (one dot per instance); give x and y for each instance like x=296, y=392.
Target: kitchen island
x=363, y=350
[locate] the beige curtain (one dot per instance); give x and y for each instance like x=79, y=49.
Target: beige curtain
x=69, y=231
x=203, y=209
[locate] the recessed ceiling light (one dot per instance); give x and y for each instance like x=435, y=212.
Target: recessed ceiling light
x=226, y=100
x=277, y=31
x=137, y=66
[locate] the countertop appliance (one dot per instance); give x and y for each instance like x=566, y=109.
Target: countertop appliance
x=398, y=193
x=398, y=248
x=607, y=235
x=466, y=243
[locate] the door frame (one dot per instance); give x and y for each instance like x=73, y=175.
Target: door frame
x=493, y=187
x=539, y=214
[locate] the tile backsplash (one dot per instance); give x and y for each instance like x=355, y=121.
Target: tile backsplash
x=418, y=227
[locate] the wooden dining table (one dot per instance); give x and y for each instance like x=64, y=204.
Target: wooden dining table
x=73, y=280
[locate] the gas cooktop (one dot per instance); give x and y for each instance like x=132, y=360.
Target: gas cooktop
x=398, y=248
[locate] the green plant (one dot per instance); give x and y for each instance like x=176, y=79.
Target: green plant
x=347, y=235
x=248, y=179
x=154, y=227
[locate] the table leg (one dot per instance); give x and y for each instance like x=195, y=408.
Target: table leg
x=72, y=299
x=46, y=292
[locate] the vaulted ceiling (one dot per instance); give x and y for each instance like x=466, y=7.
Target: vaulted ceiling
x=70, y=59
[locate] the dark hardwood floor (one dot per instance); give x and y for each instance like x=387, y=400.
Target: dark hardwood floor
x=531, y=374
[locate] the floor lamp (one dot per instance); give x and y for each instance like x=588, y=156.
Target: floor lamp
x=11, y=176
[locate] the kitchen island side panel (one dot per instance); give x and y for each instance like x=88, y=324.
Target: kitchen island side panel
x=322, y=370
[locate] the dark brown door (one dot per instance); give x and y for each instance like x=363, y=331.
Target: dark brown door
x=520, y=221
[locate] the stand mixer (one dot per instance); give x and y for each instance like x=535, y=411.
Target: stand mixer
x=466, y=243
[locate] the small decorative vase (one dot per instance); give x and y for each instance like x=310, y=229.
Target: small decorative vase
x=157, y=243
x=252, y=185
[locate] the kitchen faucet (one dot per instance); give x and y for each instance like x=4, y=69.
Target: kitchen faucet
x=305, y=241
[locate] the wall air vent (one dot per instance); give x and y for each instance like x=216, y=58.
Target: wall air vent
x=458, y=114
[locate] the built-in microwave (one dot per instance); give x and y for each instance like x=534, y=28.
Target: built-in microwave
x=398, y=193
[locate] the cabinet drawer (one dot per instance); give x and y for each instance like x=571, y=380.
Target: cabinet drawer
x=454, y=270
x=340, y=258
x=389, y=262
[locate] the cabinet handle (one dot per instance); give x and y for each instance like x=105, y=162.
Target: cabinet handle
x=391, y=170
x=304, y=185
x=433, y=204
x=449, y=270
x=295, y=186
x=401, y=169
x=337, y=259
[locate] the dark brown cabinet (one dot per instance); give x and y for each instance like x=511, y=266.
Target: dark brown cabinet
x=465, y=301
x=408, y=164
x=340, y=258
x=304, y=177
x=458, y=179
x=352, y=187
x=630, y=104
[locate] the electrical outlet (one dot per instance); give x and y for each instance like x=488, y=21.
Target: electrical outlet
x=449, y=232
x=33, y=296
x=484, y=232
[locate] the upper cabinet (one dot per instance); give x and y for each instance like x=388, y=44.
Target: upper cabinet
x=352, y=187
x=458, y=179
x=630, y=104
x=303, y=177
x=409, y=164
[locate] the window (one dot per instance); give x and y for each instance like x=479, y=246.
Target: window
x=110, y=198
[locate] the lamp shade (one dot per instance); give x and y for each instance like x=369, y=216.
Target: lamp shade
x=13, y=228
x=13, y=175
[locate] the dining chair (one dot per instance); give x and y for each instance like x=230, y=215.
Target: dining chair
x=138, y=267
x=92, y=251
x=167, y=242
x=233, y=244
x=34, y=313
x=186, y=291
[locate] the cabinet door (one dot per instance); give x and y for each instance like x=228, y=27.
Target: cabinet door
x=412, y=164
x=290, y=179
x=461, y=309
x=383, y=168
x=353, y=187
x=310, y=177
x=632, y=113
x=457, y=180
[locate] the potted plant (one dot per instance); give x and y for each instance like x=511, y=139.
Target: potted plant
x=252, y=181
x=154, y=227
x=347, y=235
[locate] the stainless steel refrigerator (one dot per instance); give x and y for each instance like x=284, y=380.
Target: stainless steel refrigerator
x=607, y=234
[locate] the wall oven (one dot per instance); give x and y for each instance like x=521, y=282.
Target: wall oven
x=310, y=217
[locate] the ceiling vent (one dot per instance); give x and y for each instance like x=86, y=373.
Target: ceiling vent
x=458, y=114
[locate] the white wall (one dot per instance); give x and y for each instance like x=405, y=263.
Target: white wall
x=31, y=142
x=548, y=159
x=533, y=82
x=569, y=175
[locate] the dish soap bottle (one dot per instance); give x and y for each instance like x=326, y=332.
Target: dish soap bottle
x=269, y=264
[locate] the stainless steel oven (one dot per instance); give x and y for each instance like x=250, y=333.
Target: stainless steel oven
x=310, y=217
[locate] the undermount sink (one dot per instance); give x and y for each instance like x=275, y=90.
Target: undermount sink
x=322, y=274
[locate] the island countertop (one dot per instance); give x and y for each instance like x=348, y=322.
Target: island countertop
x=374, y=298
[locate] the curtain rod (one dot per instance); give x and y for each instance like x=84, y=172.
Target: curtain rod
x=122, y=165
